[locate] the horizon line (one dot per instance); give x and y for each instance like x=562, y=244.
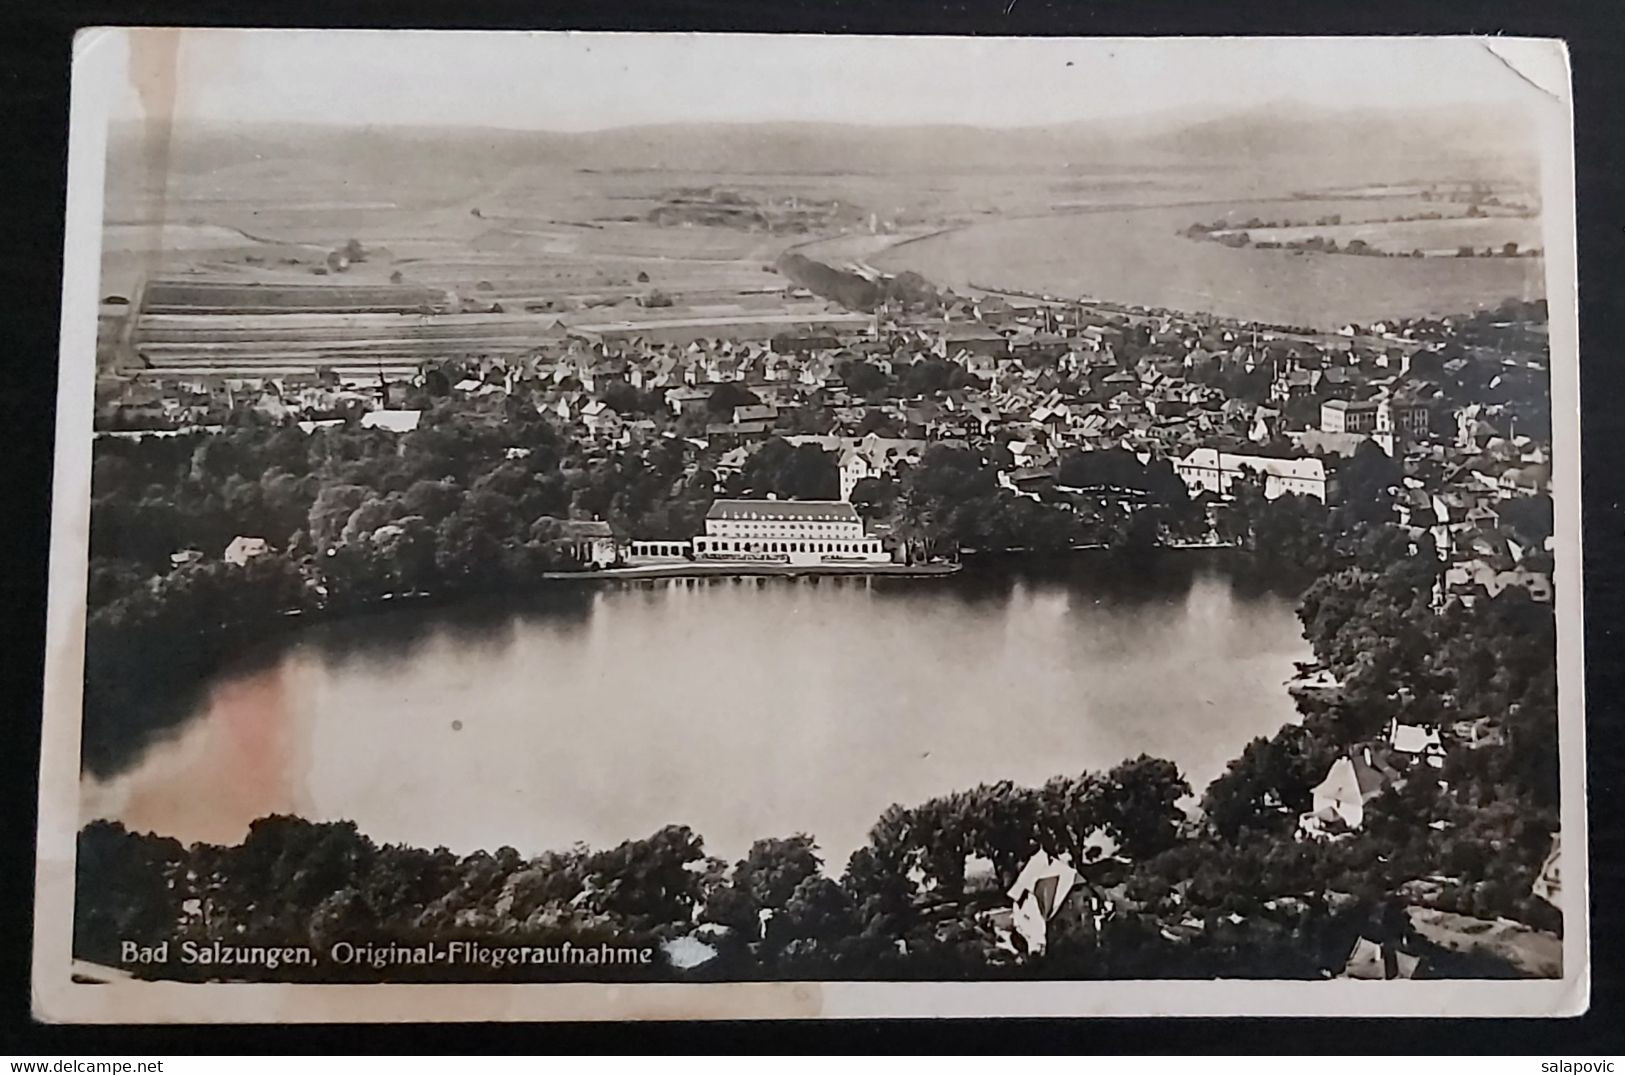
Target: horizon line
x=1196, y=113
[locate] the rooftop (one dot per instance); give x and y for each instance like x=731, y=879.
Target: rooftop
x=784, y=510
x=582, y=529
x=1212, y=458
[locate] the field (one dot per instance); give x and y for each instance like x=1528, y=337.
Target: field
x=555, y=238
x=1434, y=238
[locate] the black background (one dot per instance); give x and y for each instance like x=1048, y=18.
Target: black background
x=36, y=41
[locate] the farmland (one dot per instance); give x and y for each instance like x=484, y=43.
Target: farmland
x=589, y=231
x=1433, y=238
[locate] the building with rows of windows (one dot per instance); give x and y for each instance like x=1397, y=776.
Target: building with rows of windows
x=1212, y=471
x=800, y=532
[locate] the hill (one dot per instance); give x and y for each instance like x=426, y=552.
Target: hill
x=1290, y=136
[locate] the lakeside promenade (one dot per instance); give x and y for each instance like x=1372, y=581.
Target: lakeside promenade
x=747, y=570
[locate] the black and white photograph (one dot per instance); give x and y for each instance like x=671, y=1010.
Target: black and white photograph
x=559, y=526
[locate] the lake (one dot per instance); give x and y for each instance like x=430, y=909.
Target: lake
x=744, y=708
x=1134, y=256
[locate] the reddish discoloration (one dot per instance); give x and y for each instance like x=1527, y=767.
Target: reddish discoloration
x=239, y=761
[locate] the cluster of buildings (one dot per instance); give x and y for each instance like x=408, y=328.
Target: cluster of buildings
x=1019, y=380
x=794, y=533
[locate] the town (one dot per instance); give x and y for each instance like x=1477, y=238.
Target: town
x=1075, y=407
x=478, y=451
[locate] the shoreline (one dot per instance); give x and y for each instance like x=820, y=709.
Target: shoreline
x=749, y=570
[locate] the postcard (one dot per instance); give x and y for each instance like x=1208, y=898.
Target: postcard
x=559, y=526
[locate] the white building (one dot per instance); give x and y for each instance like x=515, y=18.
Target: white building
x=1348, y=416
x=1340, y=800
x=591, y=541
x=868, y=456
x=243, y=549
x=1040, y=889
x=876, y=457
x=800, y=532
x=393, y=421
x=1212, y=471
x=1416, y=742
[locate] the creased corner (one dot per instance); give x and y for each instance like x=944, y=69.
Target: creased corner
x=1535, y=63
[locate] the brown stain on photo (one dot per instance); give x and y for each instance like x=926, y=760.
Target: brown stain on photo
x=155, y=75
x=248, y=762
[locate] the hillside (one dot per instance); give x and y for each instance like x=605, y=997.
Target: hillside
x=1290, y=136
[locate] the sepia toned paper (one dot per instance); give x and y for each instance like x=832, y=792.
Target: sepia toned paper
x=650, y=526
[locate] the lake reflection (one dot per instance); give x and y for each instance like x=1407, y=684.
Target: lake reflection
x=744, y=708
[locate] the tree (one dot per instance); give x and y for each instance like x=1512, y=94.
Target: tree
x=875, y=498
x=1004, y=823
x=431, y=501
x=331, y=511
x=773, y=868
x=1139, y=805
x=647, y=882
x=368, y=516
x=126, y=888
x=878, y=875
x=469, y=552
x=1270, y=783
x=407, y=547
x=284, y=869
x=815, y=924
x=862, y=378
x=797, y=472
x=1367, y=481
x=1529, y=517
x=728, y=395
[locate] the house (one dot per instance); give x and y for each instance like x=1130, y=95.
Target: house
x=590, y=541
x=1337, y=382
x=1470, y=577
x=243, y=549
x=875, y=456
x=1325, y=445
x=1266, y=425
x=1416, y=743
x=1524, y=481
x=1548, y=883
x=1293, y=383
x=185, y=557
x=1212, y=471
x=755, y=412
x=1036, y=897
x=1370, y=961
x=392, y=421
x=600, y=418
x=971, y=341
x=1405, y=412
x=1348, y=416
x=688, y=400
x=1339, y=800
